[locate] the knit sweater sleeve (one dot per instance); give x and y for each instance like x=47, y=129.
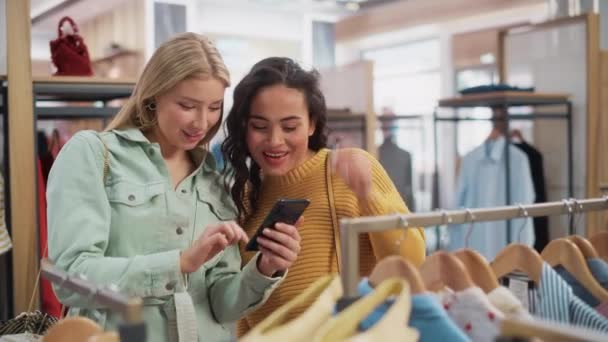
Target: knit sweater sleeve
x=384, y=200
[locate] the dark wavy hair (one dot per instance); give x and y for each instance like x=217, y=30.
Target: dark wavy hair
x=268, y=72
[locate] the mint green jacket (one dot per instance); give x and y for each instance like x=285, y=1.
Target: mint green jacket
x=128, y=230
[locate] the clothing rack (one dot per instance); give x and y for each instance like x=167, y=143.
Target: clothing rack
x=133, y=329
x=506, y=100
x=351, y=228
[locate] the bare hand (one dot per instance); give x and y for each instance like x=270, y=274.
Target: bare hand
x=355, y=169
x=279, y=247
x=214, y=239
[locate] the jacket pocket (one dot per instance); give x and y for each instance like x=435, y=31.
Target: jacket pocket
x=133, y=194
x=223, y=210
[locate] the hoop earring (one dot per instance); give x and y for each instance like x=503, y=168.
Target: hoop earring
x=151, y=106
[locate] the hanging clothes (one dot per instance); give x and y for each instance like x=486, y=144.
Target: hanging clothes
x=557, y=302
x=507, y=303
x=398, y=164
x=599, y=270
x=541, y=223
x=49, y=303
x=5, y=239
x=472, y=311
x=481, y=183
x=427, y=316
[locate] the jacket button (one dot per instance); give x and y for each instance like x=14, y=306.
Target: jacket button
x=184, y=191
x=179, y=230
x=170, y=286
x=150, y=151
x=131, y=197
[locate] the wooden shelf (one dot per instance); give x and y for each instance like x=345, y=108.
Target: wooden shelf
x=119, y=54
x=72, y=88
x=510, y=98
x=84, y=80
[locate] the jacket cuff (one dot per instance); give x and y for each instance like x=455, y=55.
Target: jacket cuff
x=256, y=280
x=165, y=274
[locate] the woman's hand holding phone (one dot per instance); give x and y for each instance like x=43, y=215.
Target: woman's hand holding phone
x=279, y=247
x=214, y=239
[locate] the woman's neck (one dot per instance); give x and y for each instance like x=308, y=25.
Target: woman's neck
x=168, y=151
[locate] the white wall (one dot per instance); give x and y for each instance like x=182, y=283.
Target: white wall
x=250, y=22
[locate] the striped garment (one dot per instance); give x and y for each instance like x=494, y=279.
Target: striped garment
x=557, y=302
x=5, y=239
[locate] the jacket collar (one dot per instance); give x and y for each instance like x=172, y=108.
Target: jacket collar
x=495, y=149
x=200, y=156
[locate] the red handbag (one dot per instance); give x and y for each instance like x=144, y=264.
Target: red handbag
x=69, y=53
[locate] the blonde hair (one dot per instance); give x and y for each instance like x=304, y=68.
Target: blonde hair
x=184, y=56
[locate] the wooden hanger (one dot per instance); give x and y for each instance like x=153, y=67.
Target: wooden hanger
x=600, y=243
x=396, y=266
x=110, y=336
x=76, y=329
x=547, y=330
x=443, y=269
x=565, y=253
x=518, y=257
x=584, y=246
x=479, y=270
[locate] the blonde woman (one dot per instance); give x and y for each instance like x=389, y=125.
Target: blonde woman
x=141, y=206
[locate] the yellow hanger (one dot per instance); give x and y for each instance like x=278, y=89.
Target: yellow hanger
x=443, y=269
x=518, y=257
x=600, y=243
x=482, y=275
x=584, y=245
x=391, y=327
x=281, y=325
x=565, y=253
x=397, y=267
x=73, y=329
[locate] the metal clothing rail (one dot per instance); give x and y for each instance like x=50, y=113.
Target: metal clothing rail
x=351, y=228
x=133, y=328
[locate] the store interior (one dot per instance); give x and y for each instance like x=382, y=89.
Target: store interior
x=432, y=89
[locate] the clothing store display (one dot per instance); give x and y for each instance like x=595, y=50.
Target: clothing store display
x=5, y=239
x=507, y=303
x=557, y=302
x=472, y=311
x=129, y=231
x=48, y=299
x=391, y=327
x=323, y=293
x=599, y=270
x=541, y=223
x=428, y=317
x=398, y=164
x=319, y=255
x=481, y=183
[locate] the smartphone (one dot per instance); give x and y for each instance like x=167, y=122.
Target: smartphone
x=285, y=211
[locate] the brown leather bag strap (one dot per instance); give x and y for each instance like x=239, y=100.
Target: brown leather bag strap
x=332, y=209
x=106, y=159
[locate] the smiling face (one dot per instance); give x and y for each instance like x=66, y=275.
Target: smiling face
x=278, y=129
x=187, y=112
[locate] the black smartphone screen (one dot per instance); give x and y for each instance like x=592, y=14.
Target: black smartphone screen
x=285, y=211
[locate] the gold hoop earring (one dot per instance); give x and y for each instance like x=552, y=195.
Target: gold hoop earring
x=151, y=106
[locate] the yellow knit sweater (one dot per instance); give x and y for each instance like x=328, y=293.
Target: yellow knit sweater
x=318, y=256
